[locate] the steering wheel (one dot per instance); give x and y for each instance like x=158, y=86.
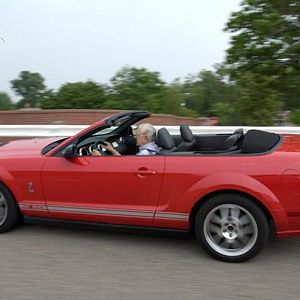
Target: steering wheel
x=99, y=147
x=117, y=143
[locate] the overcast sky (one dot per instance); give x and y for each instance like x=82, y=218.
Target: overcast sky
x=77, y=40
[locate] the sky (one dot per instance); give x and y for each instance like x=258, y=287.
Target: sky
x=79, y=40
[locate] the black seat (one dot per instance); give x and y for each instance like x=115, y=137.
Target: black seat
x=187, y=139
x=165, y=141
x=233, y=142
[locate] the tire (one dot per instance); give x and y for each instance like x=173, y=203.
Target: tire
x=9, y=211
x=231, y=227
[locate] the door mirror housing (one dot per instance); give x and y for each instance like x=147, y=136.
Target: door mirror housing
x=70, y=151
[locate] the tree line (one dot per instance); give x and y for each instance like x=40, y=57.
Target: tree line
x=259, y=78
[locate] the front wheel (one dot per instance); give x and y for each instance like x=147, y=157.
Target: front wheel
x=9, y=212
x=231, y=227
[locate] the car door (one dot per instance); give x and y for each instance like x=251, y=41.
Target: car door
x=110, y=189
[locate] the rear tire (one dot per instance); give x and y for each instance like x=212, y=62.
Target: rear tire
x=9, y=211
x=231, y=227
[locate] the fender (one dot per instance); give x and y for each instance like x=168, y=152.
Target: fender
x=8, y=180
x=23, y=179
x=240, y=183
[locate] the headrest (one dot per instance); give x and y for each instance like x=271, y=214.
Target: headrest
x=258, y=141
x=239, y=131
x=234, y=140
x=231, y=141
x=186, y=133
x=164, y=139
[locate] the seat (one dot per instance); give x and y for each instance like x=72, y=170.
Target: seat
x=187, y=139
x=165, y=141
x=233, y=142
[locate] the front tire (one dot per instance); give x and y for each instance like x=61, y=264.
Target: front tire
x=231, y=227
x=9, y=211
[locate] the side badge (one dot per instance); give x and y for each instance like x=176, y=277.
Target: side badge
x=30, y=187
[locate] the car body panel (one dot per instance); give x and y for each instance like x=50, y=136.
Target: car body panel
x=104, y=189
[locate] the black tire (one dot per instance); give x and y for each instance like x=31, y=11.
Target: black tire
x=231, y=227
x=9, y=212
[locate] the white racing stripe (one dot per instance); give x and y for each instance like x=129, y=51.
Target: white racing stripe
x=172, y=216
x=105, y=212
x=113, y=212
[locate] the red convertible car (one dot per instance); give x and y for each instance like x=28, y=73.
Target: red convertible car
x=226, y=189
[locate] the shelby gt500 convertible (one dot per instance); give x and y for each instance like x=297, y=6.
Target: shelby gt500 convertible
x=226, y=189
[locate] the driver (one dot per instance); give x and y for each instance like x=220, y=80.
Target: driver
x=145, y=136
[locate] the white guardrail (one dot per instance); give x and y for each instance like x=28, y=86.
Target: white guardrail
x=69, y=130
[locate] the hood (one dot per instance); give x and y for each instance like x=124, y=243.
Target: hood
x=26, y=147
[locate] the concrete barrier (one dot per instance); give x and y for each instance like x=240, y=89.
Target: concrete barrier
x=69, y=130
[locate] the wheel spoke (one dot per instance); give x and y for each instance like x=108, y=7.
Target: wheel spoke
x=244, y=240
x=215, y=219
x=235, y=213
x=224, y=211
x=218, y=239
x=236, y=244
x=215, y=229
x=225, y=244
x=2, y=201
x=244, y=220
x=248, y=229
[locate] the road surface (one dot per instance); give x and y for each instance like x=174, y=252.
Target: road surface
x=48, y=262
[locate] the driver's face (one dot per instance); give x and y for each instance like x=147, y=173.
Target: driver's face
x=140, y=138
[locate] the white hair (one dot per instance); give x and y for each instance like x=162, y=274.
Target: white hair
x=148, y=130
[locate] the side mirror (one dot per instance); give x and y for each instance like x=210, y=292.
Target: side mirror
x=70, y=152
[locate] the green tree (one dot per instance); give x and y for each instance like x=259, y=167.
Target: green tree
x=258, y=103
x=173, y=101
x=206, y=89
x=29, y=86
x=265, y=48
x=75, y=95
x=5, y=102
x=295, y=118
x=48, y=99
x=136, y=88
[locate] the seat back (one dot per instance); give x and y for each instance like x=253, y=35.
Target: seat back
x=165, y=141
x=233, y=142
x=187, y=139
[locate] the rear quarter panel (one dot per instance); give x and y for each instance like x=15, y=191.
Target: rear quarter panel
x=189, y=179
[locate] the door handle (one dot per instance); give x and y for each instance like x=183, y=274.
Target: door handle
x=145, y=172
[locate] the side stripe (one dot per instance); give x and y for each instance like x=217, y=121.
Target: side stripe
x=172, y=216
x=113, y=212
x=105, y=212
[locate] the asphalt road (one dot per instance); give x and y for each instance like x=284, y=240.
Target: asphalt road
x=46, y=262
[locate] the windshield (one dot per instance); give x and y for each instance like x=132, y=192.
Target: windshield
x=104, y=131
x=51, y=146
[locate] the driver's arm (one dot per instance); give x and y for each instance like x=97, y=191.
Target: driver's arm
x=111, y=149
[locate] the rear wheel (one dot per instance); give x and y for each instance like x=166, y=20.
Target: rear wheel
x=9, y=212
x=231, y=227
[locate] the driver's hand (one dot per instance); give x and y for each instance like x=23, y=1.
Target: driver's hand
x=96, y=152
x=108, y=146
x=111, y=149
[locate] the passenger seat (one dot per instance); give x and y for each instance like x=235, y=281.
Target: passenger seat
x=187, y=139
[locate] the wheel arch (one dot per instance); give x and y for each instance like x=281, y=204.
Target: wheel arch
x=12, y=193
x=8, y=188
x=204, y=199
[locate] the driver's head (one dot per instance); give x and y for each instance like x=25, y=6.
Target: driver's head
x=145, y=133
